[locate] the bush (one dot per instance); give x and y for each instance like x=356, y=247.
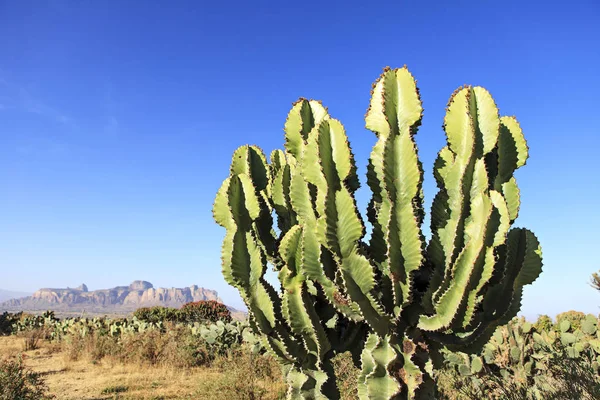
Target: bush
x=199, y=311
x=564, y=378
x=32, y=336
x=574, y=317
x=114, y=389
x=18, y=383
x=247, y=376
x=157, y=314
x=543, y=324
x=176, y=347
x=202, y=311
x=6, y=322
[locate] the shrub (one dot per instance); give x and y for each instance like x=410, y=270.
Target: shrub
x=566, y=378
x=114, y=389
x=198, y=311
x=157, y=314
x=32, y=336
x=574, y=317
x=575, y=378
x=543, y=324
x=186, y=350
x=18, y=383
x=6, y=322
x=201, y=311
x=247, y=376
x=176, y=346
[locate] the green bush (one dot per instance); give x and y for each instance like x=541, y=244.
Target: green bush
x=202, y=311
x=565, y=378
x=157, y=314
x=529, y=361
x=199, y=311
x=18, y=383
x=543, y=324
x=574, y=317
x=114, y=389
x=7, y=320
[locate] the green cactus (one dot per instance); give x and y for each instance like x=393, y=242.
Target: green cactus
x=527, y=354
x=589, y=325
x=395, y=301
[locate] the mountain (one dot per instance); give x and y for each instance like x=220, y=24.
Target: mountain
x=7, y=295
x=118, y=300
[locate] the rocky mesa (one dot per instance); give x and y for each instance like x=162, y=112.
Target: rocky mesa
x=118, y=300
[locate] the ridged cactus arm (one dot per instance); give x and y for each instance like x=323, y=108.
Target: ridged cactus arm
x=477, y=186
x=328, y=165
x=522, y=266
x=471, y=125
x=279, y=190
x=303, y=117
x=520, y=261
x=440, y=213
x=298, y=308
x=319, y=265
x=298, y=197
x=242, y=258
x=454, y=173
x=239, y=207
x=395, y=177
x=375, y=380
x=298, y=303
x=250, y=161
x=512, y=153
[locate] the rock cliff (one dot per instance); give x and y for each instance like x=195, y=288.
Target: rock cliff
x=120, y=299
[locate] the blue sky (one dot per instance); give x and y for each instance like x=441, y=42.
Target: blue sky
x=118, y=120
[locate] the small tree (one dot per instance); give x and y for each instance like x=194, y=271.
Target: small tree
x=595, y=281
x=204, y=310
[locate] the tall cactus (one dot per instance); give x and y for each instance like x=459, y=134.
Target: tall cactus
x=395, y=301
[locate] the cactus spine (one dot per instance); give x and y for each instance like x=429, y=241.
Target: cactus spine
x=395, y=301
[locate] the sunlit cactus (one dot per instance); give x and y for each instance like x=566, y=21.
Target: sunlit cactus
x=395, y=301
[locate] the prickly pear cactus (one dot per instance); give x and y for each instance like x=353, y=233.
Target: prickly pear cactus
x=525, y=354
x=395, y=300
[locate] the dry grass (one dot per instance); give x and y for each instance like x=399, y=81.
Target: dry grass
x=107, y=379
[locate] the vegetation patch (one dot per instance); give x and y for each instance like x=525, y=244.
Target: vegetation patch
x=115, y=389
x=19, y=383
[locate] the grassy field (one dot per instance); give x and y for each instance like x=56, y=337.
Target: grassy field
x=176, y=361
x=85, y=379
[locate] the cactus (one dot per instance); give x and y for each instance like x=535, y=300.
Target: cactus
x=394, y=301
x=526, y=353
x=573, y=318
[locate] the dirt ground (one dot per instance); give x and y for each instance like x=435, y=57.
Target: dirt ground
x=87, y=380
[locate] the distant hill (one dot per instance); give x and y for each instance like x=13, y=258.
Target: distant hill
x=7, y=295
x=115, y=301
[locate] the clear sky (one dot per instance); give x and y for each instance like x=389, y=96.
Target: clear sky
x=118, y=120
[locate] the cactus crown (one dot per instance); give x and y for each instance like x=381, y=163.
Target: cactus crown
x=396, y=300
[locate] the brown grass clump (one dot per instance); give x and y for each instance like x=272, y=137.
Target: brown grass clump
x=245, y=376
x=174, y=348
